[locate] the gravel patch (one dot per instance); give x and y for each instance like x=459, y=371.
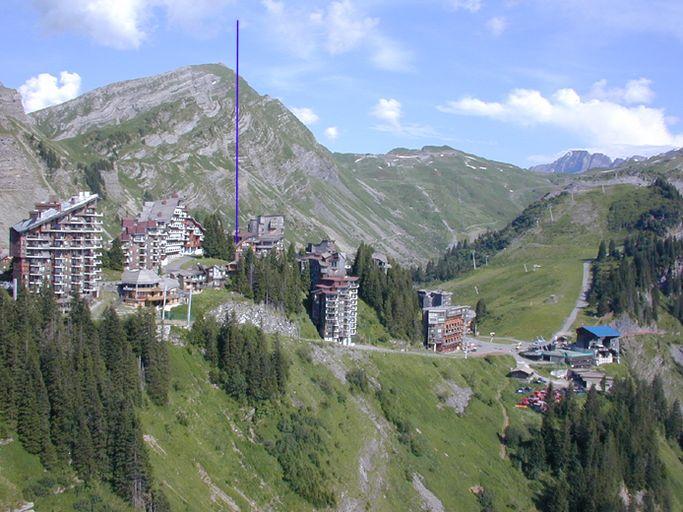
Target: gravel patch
x=265, y=317
x=430, y=502
x=453, y=396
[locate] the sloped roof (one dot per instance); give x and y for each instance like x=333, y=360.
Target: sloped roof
x=65, y=207
x=140, y=277
x=601, y=331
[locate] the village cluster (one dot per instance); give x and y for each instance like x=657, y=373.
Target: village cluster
x=60, y=243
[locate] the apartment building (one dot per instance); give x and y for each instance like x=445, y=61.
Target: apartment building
x=163, y=230
x=445, y=325
x=334, y=294
x=334, y=308
x=264, y=233
x=59, y=245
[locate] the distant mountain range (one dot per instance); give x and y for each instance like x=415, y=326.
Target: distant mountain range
x=577, y=161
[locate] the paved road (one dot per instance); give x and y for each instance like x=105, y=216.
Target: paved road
x=581, y=302
x=175, y=264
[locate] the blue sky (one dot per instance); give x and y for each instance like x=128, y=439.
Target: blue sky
x=515, y=80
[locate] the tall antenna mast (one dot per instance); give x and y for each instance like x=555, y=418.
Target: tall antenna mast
x=237, y=132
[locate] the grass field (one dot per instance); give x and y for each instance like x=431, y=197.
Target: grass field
x=527, y=303
x=207, y=262
x=203, y=302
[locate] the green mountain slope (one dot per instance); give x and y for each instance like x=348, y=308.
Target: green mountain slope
x=175, y=132
x=532, y=302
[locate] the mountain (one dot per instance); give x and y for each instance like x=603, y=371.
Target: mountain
x=175, y=132
x=24, y=176
x=575, y=161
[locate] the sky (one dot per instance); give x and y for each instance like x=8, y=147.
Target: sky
x=520, y=81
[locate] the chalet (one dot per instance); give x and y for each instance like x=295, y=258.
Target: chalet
x=143, y=287
x=199, y=277
x=521, y=373
x=381, y=261
x=191, y=279
x=589, y=378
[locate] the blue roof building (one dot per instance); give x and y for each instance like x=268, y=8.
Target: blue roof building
x=598, y=337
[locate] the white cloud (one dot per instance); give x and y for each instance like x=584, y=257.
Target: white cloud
x=497, y=25
x=338, y=29
x=389, y=113
x=600, y=123
x=124, y=24
x=332, y=132
x=115, y=24
x=346, y=28
x=635, y=92
x=305, y=115
x=46, y=90
x=467, y=5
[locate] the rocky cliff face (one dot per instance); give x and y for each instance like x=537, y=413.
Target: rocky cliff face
x=175, y=132
x=22, y=172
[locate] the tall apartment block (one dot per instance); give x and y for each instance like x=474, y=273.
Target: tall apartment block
x=59, y=244
x=161, y=232
x=334, y=294
x=444, y=325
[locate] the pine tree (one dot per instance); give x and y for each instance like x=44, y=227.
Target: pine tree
x=33, y=415
x=115, y=256
x=216, y=243
x=602, y=251
x=130, y=476
x=118, y=358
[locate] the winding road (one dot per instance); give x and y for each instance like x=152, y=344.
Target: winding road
x=581, y=302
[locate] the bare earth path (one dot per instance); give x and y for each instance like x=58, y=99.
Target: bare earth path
x=506, y=424
x=581, y=302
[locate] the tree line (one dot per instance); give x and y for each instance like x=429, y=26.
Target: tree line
x=585, y=454
x=245, y=364
x=458, y=259
x=275, y=279
x=71, y=387
x=640, y=279
x=390, y=294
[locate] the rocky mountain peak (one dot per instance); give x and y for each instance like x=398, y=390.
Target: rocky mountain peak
x=11, y=106
x=575, y=161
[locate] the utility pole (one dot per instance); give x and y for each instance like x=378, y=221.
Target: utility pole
x=163, y=313
x=474, y=261
x=189, y=309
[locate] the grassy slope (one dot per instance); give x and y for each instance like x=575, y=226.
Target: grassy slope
x=461, y=451
x=19, y=469
x=535, y=303
x=208, y=453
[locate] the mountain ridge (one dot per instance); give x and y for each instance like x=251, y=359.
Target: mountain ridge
x=175, y=132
